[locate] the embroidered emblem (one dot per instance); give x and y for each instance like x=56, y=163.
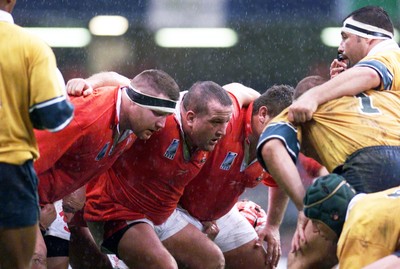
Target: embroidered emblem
x=171, y=150
x=228, y=161
x=102, y=152
x=396, y=194
x=203, y=159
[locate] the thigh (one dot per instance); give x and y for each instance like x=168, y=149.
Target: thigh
x=140, y=247
x=235, y=231
x=246, y=256
x=193, y=249
x=17, y=246
x=83, y=251
x=60, y=262
x=317, y=253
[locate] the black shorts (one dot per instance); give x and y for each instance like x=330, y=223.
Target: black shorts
x=372, y=169
x=110, y=244
x=18, y=195
x=56, y=247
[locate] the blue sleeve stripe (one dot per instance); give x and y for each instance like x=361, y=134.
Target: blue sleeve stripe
x=52, y=115
x=283, y=131
x=384, y=73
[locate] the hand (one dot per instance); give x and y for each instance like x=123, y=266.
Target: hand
x=210, y=228
x=78, y=87
x=337, y=67
x=271, y=235
x=299, y=234
x=73, y=202
x=48, y=214
x=302, y=109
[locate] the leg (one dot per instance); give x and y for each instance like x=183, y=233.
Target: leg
x=57, y=252
x=19, y=215
x=237, y=239
x=58, y=262
x=246, y=256
x=39, y=260
x=317, y=253
x=16, y=247
x=140, y=247
x=194, y=250
x=83, y=251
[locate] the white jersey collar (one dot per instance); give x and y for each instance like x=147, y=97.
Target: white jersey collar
x=5, y=16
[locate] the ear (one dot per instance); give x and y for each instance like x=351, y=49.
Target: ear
x=190, y=117
x=263, y=117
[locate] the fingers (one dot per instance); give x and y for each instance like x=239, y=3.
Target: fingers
x=336, y=68
x=78, y=87
x=274, y=254
x=298, y=116
x=295, y=245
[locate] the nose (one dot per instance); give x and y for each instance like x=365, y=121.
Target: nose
x=222, y=130
x=341, y=48
x=161, y=123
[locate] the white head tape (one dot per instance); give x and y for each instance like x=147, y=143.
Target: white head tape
x=150, y=102
x=365, y=30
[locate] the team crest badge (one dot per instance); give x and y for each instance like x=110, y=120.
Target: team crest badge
x=395, y=194
x=172, y=149
x=102, y=152
x=228, y=161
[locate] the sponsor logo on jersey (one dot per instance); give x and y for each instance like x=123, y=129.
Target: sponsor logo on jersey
x=395, y=194
x=171, y=150
x=228, y=161
x=102, y=152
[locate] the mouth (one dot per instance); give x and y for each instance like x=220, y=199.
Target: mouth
x=214, y=141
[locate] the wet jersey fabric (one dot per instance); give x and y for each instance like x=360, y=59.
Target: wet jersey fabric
x=85, y=149
x=371, y=230
x=147, y=180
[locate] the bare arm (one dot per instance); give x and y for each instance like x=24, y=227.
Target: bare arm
x=283, y=170
x=286, y=175
x=243, y=94
x=277, y=204
x=351, y=82
x=79, y=86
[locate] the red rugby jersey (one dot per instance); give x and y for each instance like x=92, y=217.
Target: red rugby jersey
x=147, y=180
x=224, y=177
x=84, y=149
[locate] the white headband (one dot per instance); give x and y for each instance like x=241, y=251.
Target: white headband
x=150, y=102
x=365, y=30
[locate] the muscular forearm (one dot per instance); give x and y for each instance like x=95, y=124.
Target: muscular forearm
x=243, y=94
x=107, y=79
x=351, y=82
x=277, y=204
x=284, y=171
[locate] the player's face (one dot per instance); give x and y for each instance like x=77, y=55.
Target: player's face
x=147, y=122
x=323, y=230
x=354, y=47
x=208, y=128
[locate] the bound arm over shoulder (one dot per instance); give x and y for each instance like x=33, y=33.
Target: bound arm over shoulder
x=351, y=82
x=243, y=94
x=80, y=86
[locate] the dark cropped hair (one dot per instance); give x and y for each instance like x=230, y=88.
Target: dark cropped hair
x=373, y=15
x=203, y=92
x=159, y=81
x=275, y=98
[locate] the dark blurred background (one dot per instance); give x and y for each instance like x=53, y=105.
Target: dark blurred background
x=278, y=43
